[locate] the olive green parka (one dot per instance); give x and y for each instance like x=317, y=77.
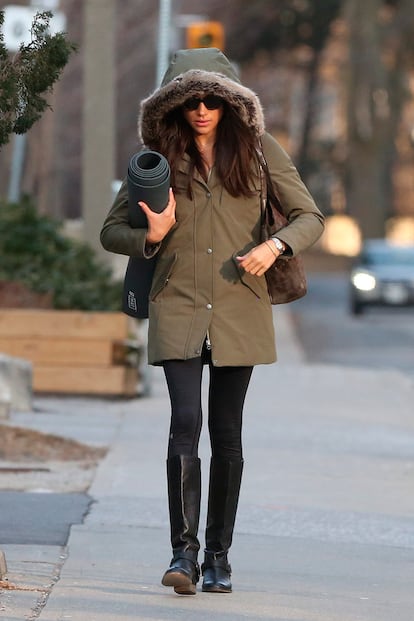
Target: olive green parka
x=198, y=289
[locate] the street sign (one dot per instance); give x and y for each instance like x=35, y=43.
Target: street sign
x=18, y=22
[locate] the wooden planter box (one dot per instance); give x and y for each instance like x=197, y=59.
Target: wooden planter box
x=73, y=352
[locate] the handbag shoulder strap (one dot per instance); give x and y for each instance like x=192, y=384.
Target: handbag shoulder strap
x=266, y=183
x=263, y=180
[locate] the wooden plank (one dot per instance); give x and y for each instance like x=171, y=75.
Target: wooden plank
x=61, y=351
x=28, y=323
x=113, y=380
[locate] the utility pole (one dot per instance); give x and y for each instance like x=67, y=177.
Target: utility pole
x=98, y=159
x=164, y=22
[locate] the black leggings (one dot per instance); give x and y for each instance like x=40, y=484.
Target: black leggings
x=227, y=392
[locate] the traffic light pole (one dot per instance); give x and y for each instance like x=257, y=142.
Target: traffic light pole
x=164, y=22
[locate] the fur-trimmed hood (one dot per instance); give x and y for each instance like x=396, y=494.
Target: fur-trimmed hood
x=194, y=73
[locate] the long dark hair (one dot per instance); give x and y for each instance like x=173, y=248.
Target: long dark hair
x=235, y=150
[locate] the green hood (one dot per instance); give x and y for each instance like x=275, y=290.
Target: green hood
x=194, y=73
x=207, y=59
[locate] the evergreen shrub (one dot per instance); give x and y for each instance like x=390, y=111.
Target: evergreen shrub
x=35, y=252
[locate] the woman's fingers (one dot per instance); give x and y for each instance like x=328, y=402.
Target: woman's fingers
x=258, y=260
x=171, y=201
x=159, y=223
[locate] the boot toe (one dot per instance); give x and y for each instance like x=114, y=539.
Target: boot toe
x=183, y=575
x=182, y=583
x=216, y=580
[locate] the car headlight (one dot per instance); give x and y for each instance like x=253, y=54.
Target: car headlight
x=364, y=281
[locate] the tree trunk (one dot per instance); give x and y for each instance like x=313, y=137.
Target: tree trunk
x=370, y=122
x=303, y=157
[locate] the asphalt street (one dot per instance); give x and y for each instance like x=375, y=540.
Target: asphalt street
x=381, y=338
x=40, y=519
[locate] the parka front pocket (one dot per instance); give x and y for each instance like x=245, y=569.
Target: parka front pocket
x=250, y=281
x=163, y=271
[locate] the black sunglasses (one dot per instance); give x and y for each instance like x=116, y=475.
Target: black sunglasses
x=211, y=102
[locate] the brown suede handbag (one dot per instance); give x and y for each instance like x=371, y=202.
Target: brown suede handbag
x=286, y=279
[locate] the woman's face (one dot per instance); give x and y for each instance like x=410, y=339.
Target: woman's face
x=203, y=120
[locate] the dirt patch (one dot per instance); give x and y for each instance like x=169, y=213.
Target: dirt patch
x=18, y=444
x=34, y=461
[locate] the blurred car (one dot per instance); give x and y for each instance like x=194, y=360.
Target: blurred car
x=383, y=275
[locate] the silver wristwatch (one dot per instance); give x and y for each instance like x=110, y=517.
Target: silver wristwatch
x=279, y=245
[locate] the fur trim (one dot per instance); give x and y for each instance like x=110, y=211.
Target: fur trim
x=197, y=82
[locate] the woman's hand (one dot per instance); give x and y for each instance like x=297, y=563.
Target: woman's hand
x=259, y=259
x=159, y=223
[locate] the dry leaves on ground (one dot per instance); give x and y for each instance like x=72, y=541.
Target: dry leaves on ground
x=20, y=445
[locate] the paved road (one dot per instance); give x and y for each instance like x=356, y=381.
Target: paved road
x=40, y=519
x=382, y=338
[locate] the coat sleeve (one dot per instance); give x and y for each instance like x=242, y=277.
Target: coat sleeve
x=118, y=236
x=306, y=222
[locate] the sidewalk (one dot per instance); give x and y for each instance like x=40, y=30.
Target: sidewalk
x=325, y=528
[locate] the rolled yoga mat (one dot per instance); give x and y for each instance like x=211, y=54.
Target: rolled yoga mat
x=148, y=180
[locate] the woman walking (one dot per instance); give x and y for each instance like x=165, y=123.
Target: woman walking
x=209, y=304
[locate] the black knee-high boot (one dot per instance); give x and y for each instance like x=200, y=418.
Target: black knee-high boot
x=224, y=487
x=184, y=493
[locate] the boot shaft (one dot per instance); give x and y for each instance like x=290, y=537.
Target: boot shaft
x=184, y=495
x=224, y=489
